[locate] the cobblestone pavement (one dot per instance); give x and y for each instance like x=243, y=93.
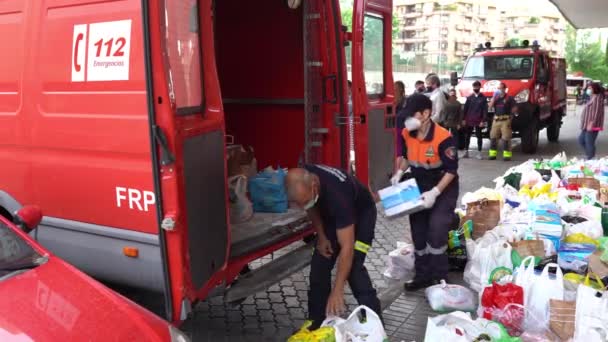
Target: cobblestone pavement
x=273, y=315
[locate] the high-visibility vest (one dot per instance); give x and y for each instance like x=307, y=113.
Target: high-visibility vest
x=425, y=154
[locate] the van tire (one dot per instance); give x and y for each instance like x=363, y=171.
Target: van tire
x=554, y=128
x=529, y=138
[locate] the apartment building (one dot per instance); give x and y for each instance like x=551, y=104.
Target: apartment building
x=544, y=24
x=448, y=31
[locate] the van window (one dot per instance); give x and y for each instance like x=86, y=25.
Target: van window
x=184, y=55
x=373, y=60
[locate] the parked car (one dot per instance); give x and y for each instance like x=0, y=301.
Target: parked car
x=43, y=298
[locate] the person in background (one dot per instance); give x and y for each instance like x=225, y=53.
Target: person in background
x=453, y=115
x=420, y=88
x=343, y=214
x=399, y=94
x=432, y=156
x=433, y=85
x=505, y=108
x=475, y=118
x=592, y=120
x=399, y=125
x=578, y=91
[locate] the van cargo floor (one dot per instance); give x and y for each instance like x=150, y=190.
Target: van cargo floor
x=265, y=229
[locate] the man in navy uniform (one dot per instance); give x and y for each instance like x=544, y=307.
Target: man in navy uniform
x=343, y=213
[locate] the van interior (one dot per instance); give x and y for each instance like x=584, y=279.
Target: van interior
x=259, y=53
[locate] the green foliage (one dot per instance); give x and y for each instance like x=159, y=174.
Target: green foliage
x=585, y=55
x=373, y=42
x=534, y=20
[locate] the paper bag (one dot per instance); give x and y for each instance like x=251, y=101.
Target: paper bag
x=485, y=215
x=597, y=266
x=527, y=248
x=563, y=317
x=585, y=182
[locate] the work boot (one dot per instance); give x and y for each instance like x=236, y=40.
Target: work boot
x=492, y=154
x=418, y=284
x=506, y=155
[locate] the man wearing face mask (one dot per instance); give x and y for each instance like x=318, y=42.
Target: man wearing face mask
x=343, y=213
x=505, y=107
x=437, y=96
x=420, y=88
x=432, y=157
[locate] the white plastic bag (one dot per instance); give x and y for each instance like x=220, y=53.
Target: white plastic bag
x=241, y=208
x=447, y=297
x=334, y=322
x=486, y=259
x=530, y=178
x=401, y=262
x=542, y=290
x=591, y=321
x=524, y=276
x=592, y=229
x=450, y=327
x=355, y=329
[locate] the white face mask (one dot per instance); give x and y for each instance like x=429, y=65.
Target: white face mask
x=412, y=124
x=589, y=92
x=311, y=203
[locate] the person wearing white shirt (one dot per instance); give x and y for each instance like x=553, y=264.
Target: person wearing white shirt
x=437, y=96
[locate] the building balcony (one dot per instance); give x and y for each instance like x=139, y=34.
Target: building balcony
x=412, y=14
x=411, y=40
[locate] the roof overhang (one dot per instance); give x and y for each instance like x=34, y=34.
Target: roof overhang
x=584, y=14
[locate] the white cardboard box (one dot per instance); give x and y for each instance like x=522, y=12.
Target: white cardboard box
x=401, y=199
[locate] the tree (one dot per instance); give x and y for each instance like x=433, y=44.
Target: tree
x=586, y=56
x=373, y=42
x=534, y=20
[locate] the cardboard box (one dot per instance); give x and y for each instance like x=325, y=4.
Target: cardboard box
x=401, y=199
x=547, y=222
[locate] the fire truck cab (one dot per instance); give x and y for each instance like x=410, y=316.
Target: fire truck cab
x=115, y=118
x=536, y=80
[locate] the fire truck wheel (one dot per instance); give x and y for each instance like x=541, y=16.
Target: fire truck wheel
x=554, y=128
x=529, y=138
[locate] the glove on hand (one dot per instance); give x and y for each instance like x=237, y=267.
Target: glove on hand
x=429, y=197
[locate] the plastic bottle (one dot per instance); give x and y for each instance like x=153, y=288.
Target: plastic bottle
x=605, y=219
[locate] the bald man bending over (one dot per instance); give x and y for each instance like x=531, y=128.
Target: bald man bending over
x=344, y=215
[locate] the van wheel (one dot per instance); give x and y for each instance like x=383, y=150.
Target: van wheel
x=529, y=138
x=554, y=128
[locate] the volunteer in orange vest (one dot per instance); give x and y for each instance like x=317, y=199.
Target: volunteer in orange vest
x=431, y=156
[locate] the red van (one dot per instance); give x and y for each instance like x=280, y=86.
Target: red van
x=114, y=118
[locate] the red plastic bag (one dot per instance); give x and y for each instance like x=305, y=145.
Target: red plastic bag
x=496, y=298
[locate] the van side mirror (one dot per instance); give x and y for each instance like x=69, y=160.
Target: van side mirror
x=454, y=79
x=28, y=218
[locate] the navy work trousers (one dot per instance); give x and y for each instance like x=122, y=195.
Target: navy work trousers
x=430, y=234
x=358, y=280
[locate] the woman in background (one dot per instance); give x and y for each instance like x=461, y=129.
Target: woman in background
x=592, y=120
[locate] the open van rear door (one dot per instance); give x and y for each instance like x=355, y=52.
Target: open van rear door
x=374, y=113
x=188, y=149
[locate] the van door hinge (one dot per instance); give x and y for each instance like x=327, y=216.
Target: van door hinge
x=168, y=223
x=166, y=157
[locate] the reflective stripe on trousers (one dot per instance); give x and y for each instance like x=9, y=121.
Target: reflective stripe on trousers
x=432, y=251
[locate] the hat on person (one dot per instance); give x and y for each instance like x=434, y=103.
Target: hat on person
x=417, y=103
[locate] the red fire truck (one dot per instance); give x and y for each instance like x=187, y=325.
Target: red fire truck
x=536, y=80
x=114, y=118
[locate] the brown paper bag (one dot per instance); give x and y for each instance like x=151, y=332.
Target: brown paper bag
x=585, y=182
x=527, y=248
x=241, y=161
x=562, y=317
x=597, y=266
x=485, y=215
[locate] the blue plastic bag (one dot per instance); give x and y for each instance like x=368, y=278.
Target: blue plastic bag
x=267, y=191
